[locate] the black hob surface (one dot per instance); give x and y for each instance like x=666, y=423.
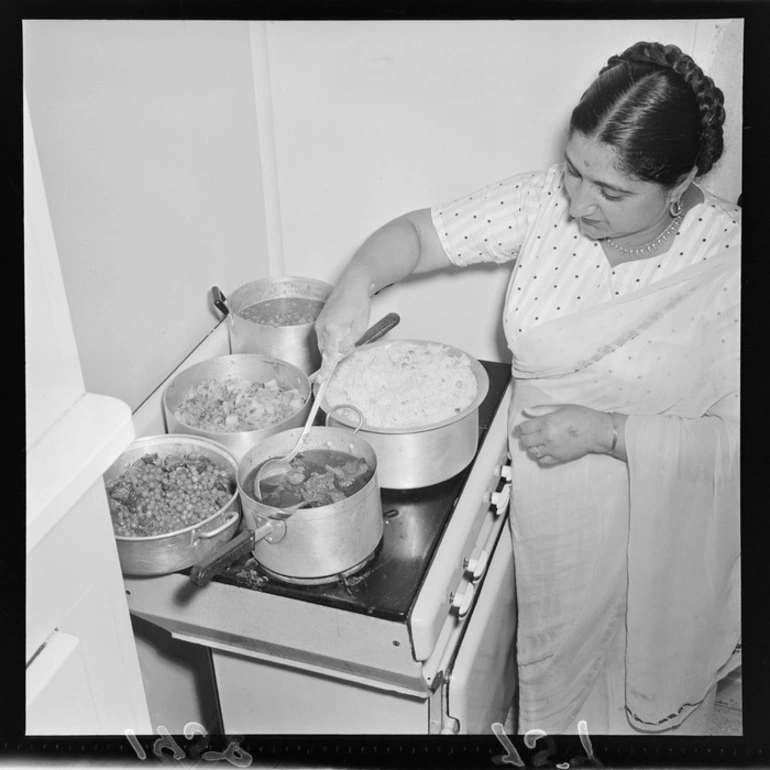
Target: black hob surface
x=414, y=521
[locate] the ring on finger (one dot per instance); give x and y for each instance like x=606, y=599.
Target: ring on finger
x=538, y=452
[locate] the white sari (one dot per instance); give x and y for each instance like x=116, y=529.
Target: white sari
x=627, y=573
x=648, y=551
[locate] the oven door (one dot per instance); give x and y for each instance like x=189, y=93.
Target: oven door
x=482, y=684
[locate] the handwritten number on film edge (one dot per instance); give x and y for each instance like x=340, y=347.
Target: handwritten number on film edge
x=234, y=754
x=166, y=742
x=512, y=756
x=239, y=757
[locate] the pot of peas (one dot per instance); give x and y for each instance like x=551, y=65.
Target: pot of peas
x=172, y=499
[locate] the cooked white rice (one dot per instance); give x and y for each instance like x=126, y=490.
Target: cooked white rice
x=404, y=384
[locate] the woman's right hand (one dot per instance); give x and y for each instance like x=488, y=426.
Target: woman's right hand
x=406, y=244
x=342, y=321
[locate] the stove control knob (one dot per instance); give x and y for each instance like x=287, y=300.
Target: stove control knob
x=461, y=602
x=475, y=568
x=504, y=471
x=501, y=499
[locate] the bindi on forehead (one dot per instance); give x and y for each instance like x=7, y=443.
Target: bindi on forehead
x=598, y=163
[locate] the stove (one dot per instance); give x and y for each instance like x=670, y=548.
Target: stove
x=386, y=584
x=418, y=639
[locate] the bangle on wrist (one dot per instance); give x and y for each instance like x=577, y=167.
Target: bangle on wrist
x=614, y=434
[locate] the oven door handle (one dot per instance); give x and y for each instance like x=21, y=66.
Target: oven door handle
x=475, y=567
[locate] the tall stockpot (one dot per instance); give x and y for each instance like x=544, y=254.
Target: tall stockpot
x=416, y=457
x=309, y=543
x=295, y=343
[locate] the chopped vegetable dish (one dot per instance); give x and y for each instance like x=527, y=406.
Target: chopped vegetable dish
x=234, y=404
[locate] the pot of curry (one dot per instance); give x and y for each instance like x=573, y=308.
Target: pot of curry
x=320, y=515
x=276, y=316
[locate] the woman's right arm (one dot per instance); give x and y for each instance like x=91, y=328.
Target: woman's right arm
x=408, y=244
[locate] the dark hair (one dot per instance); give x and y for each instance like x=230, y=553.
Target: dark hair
x=658, y=110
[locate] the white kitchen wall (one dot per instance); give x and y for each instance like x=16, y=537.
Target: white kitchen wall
x=181, y=154
x=149, y=150
x=50, y=343
x=720, y=46
x=375, y=118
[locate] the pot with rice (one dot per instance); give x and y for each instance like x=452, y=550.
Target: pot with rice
x=419, y=401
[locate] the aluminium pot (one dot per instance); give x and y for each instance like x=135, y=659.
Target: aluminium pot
x=163, y=554
x=296, y=343
x=415, y=457
x=247, y=366
x=309, y=543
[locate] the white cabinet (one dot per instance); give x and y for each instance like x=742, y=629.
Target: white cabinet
x=59, y=675
x=82, y=672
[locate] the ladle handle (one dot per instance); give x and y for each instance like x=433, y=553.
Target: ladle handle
x=220, y=301
x=311, y=417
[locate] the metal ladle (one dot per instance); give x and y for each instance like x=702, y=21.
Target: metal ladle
x=373, y=333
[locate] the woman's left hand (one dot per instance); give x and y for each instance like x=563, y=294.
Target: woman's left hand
x=566, y=433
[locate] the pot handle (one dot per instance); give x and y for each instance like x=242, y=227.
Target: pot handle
x=355, y=409
x=223, y=556
x=220, y=301
x=214, y=532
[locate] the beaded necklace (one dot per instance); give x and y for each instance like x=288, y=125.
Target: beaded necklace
x=647, y=248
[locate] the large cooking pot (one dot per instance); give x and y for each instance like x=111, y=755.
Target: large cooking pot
x=170, y=552
x=310, y=543
x=411, y=458
x=248, y=366
x=296, y=343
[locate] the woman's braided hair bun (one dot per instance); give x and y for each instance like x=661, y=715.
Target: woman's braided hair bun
x=710, y=99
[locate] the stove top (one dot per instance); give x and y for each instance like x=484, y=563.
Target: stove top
x=414, y=519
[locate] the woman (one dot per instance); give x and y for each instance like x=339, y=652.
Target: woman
x=622, y=318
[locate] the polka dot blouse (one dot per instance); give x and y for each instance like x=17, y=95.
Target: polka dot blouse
x=559, y=270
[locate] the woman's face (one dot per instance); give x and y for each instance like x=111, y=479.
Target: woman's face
x=606, y=202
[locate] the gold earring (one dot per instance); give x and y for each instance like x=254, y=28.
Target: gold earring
x=675, y=209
